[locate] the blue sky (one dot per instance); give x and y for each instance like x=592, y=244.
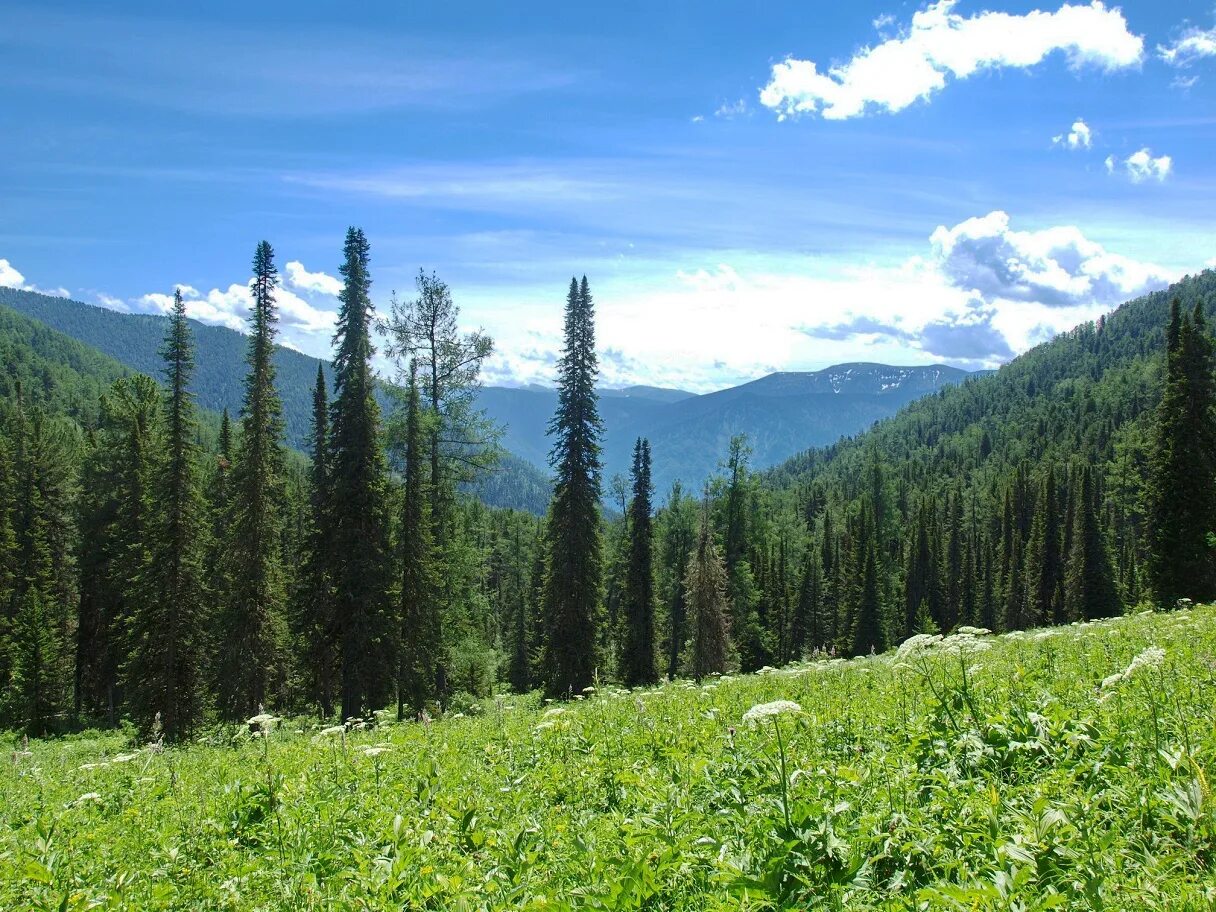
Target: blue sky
x=749, y=187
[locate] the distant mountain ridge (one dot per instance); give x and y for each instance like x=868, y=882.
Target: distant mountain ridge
x=782, y=414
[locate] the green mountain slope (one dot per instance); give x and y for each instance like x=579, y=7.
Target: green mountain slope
x=1071, y=398
x=781, y=414
x=135, y=340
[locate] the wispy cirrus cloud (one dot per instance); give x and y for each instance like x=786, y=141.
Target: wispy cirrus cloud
x=941, y=45
x=1193, y=44
x=192, y=64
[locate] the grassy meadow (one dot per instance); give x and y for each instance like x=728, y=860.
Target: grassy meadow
x=1066, y=768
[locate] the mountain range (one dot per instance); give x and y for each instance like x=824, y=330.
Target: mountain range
x=782, y=414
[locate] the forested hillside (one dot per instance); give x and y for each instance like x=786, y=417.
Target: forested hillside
x=1075, y=483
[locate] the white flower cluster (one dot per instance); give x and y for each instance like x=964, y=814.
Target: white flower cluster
x=962, y=641
x=1152, y=657
x=762, y=711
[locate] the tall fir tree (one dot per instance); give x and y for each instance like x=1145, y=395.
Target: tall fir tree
x=421, y=642
x=164, y=666
x=1044, y=559
x=358, y=510
x=1183, y=483
x=572, y=573
x=1089, y=582
x=252, y=628
x=638, y=655
x=869, y=630
x=314, y=623
x=709, y=648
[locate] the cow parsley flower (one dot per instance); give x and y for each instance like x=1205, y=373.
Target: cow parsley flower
x=762, y=711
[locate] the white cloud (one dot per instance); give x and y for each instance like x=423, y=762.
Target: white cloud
x=320, y=282
x=231, y=307
x=1055, y=267
x=1079, y=136
x=1142, y=166
x=731, y=111
x=9, y=276
x=12, y=278
x=1194, y=44
x=940, y=43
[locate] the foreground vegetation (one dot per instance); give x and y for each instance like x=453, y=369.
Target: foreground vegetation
x=1061, y=768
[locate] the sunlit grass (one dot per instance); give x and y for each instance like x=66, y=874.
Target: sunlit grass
x=1064, y=768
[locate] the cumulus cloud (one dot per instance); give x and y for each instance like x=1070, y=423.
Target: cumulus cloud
x=1079, y=136
x=1141, y=166
x=941, y=44
x=231, y=307
x=1055, y=267
x=319, y=282
x=1192, y=45
x=9, y=276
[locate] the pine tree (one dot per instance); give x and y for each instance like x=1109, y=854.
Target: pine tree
x=357, y=513
x=572, y=580
x=314, y=623
x=638, y=655
x=420, y=636
x=251, y=633
x=1089, y=582
x=709, y=648
x=1183, y=485
x=164, y=667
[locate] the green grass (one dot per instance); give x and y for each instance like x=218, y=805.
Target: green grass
x=1002, y=775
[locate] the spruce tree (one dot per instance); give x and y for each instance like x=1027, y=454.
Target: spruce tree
x=1089, y=582
x=572, y=576
x=1044, y=560
x=420, y=634
x=357, y=513
x=709, y=648
x=1183, y=486
x=252, y=628
x=678, y=532
x=921, y=587
x=314, y=622
x=869, y=633
x=638, y=655
x=806, y=625
x=164, y=668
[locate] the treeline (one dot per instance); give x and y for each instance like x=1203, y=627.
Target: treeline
x=151, y=571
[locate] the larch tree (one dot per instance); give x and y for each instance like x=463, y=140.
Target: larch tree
x=252, y=630
x=638, y=654
x=358, y=510
x=572, y=571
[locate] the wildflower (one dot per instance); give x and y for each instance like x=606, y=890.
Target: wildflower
x=1149, y=658
x=333, y=730
x=763, y=711
x=375, y=750
x=124, y=758
x=974, y=631
x=261, y=722
x=918, y=642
